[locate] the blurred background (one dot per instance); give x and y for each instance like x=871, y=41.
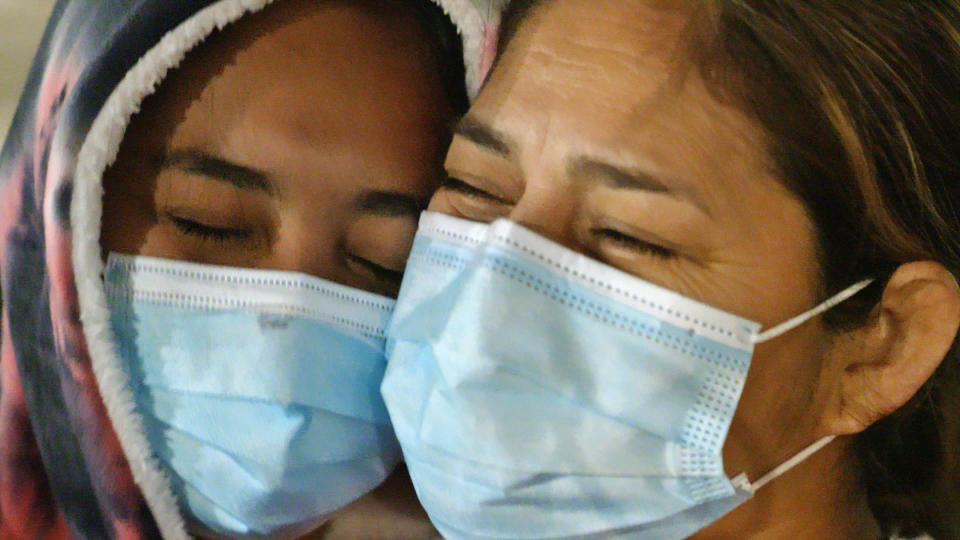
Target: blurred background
x=21, y=24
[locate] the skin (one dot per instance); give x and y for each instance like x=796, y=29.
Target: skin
x=594, y=131
x=304, y=138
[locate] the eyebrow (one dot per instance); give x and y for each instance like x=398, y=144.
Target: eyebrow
x=389, y=204
x=617, y=177
x=483, y=135
x=627, y=178
x=203, y=164
x=610, y=174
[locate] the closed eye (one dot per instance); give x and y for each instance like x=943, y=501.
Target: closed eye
x=202, y=231
x=379, y=272
x=625, y=241
x=464, y=188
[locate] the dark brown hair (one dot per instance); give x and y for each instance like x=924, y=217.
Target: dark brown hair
x=860, y=101
x=441, y=30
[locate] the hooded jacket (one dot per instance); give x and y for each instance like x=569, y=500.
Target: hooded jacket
x=74, y=458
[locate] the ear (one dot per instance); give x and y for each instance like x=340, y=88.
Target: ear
x=879, y=366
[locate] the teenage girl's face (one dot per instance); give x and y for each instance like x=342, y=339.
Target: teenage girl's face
x=307, y=138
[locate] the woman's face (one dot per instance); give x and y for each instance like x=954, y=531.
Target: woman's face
x=306, y=138
x=593, y=132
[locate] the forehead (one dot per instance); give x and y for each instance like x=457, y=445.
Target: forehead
x=622, y=74
x=307, y=75
x=570, y=46
x=331, y=58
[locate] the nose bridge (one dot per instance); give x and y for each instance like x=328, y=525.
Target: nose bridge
x=549, y=202
x=548, y=207
x=299, y=248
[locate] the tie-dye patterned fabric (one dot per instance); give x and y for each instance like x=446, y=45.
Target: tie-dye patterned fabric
x=62, y=470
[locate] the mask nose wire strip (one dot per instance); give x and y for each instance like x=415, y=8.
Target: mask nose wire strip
x=790, y=324
x=790, y=463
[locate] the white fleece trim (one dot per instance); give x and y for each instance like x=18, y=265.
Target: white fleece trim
x=473, y=18
x=99, y=150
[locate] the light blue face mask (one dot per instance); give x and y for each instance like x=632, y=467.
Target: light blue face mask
x=540, y=394
x=259, y=390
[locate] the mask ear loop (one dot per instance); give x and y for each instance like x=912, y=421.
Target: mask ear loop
x=790, y=324
x=741, y=481
x=745, y=484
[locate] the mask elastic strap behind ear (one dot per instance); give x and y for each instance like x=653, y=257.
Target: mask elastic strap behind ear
x=788, y=325
x=745, y=484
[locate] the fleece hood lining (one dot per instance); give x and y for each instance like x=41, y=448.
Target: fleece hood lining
x=477, y=26
x=99, y=150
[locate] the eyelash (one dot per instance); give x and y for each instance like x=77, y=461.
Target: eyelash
x=381, y=273
x=635, y=244
x=622, y=239
x=206, y=232
x=455, y=184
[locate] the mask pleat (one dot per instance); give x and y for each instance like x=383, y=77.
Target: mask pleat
x=259, y=390
x=539, y=503
x=264, y=433
x=531, y=406
x=199, y=353
x=306, y=490
x=556, y=387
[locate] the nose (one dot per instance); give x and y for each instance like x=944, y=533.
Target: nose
x=548, y=208
x=306, y=246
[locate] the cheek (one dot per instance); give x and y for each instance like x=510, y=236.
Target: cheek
x=778, y=411
x=138, y=236
x=127, y=221
x=128, y=201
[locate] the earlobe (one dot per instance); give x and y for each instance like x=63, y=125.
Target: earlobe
x=898, y=349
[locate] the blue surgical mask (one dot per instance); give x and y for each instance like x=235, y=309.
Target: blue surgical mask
x=259, y=390
x=540, y=394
